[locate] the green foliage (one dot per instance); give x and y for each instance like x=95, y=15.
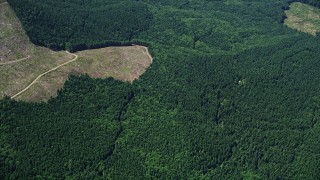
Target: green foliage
x=315, y=3
x=62, y=135
x=60, y=24
x=232, y=94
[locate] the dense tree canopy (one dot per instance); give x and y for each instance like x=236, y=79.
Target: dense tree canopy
x=77, y=23
x=232, y=94
x=315, y=3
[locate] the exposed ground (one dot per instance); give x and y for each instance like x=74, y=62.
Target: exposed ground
x=45, y=73
x=14, y=44
x=304, y=18
x=123, y=63
x=22, y=63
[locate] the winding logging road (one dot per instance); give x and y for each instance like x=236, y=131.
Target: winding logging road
x=41, y=75
x=57, y=67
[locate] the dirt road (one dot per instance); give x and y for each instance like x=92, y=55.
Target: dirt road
x=147, y=52
x=12, y=62
x=41, y=75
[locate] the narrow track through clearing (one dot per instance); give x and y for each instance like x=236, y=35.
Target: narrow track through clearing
x=15, y=61
x=41, y=75
x=57, y=67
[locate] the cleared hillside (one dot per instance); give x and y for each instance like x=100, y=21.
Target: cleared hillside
x=304, y=18
x=122, y=63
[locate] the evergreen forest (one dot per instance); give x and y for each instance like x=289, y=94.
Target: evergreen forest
x=232, y=94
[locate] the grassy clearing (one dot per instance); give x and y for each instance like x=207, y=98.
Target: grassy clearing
x=304, y=18
x=123, y=63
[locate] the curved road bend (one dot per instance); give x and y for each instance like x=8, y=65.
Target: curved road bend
x=41, y=75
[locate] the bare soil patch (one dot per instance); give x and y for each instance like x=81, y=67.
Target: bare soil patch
x=304, y=18
x=122, y=63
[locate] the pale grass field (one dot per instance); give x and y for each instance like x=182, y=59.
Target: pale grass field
x=122, y=63
x=304, y=18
